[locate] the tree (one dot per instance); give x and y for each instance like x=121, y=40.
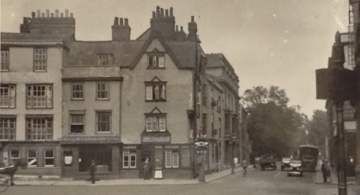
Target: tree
x=319, y=129
x=273, y=126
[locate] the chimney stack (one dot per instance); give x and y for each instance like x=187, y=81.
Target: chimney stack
x=192, y=27
x=163, y=22
x=122, y=31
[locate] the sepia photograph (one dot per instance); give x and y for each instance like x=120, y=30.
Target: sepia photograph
x=180, y=97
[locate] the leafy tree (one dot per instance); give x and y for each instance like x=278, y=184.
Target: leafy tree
x=319, y=128
x=273, y=126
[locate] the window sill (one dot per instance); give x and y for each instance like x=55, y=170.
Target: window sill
x=77, y=99
x=4, y=70
x=102, y=99
x=40, y=71
x=156, y=68
x=7, y=107
x=39, y=108
x=155, y=100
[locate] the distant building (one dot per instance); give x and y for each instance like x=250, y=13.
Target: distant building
x=118, y=101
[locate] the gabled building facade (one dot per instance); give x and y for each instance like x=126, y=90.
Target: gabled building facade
x=118, y=102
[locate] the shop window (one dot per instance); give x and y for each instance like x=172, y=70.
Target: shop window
x=31, y=158
x=129, y=159
x=49, y=158
x=171, y=159
x=14, y=155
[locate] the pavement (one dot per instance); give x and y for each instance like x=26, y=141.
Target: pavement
x=55, y=181
x=332, y=180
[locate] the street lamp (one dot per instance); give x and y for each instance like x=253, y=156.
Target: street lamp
x=337, y=85
x=307, y=136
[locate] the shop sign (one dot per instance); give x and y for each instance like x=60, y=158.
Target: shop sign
x=91, y=139
x=156, y=139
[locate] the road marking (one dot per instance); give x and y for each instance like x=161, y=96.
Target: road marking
x=277, y=174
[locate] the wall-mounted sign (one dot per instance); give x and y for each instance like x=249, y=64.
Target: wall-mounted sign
x=157, y=139
x=90, y=139
x=68, y=160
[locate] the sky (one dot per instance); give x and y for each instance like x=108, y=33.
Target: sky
x=268, y=42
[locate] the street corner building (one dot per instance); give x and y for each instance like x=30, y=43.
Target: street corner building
x=65, y=102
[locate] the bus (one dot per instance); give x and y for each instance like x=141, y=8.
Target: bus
x=309, y=157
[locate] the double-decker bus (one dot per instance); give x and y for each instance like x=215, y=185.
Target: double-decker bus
x=309, y=157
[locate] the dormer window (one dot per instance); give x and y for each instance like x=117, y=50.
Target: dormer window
x=105, y=59
x=156, y=61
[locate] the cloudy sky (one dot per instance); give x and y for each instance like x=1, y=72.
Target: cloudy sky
x=269, y=42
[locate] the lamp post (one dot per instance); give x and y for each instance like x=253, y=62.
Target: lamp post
x=307, y=136
x=337, y=85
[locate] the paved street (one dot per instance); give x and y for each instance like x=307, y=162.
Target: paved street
x=256, y=182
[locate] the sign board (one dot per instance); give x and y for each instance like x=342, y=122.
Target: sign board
x=156, y=139
x=91, y=139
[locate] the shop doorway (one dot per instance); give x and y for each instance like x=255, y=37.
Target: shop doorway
x=146, y=153
x=100, y=153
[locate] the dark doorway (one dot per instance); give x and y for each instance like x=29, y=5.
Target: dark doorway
x=146, y=152
x=100, y=153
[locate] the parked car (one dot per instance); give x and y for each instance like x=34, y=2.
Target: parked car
x=295, y=168
x=268, y=161
x=257, y=162
x=285, y=163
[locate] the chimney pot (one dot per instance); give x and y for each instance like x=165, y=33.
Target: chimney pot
x=121, y=21
x=181, y=29
x=61, y=15
x=171, y=11
x=47, y=13
x=192, y=19
x=56, y=13
x=162, y=12
x=52, y=15
x=116, y=21
x=126, y=22
x=24, y=20
x=38, y=13
x=66, y=13
x=166, y=13
x=153, y=14
x=71, y=15
x=158, y=11
x=43, y=15
x=33, y=14
x=177, y=28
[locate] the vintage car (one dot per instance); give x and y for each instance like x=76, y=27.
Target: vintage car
x=295, y=168
x=285, y=163
x=268, y=161
x=257, y=162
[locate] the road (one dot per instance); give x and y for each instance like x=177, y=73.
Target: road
x=256, y=182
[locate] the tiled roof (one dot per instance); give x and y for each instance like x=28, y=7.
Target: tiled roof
x=184, y=51
x=30, y=37
x=85, y=52
x=215, y=60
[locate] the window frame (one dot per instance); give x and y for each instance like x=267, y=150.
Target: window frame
x=28, y=158
x=35, y=60
x=158, y=56
x=11, y=88
x=108, y=58
x=129, y=154
x=107, y=90
x=97, y=112
x=172, y=161
x=161, y=91
x=78, y=113
x=30, y=133
x=5, y=61
x=53, y=158
x=11, y=131
x=11, y=159
x=80, y=92
x=156, y=123
x=29, y=99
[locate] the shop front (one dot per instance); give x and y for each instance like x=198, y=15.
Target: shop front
x=78, y=152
